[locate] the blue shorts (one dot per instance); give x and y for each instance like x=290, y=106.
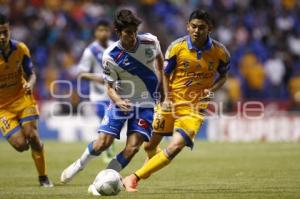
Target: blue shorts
x=101, y=107
x=139, y=121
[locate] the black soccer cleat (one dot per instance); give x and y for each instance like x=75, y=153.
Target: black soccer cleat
x=45, y=182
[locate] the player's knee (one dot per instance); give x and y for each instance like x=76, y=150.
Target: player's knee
x=174, y=149
x=33, y=137
x=21, y=147
x=29, y=129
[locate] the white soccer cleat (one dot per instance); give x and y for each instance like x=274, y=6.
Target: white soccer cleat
x=71, y=171
x=93, y=191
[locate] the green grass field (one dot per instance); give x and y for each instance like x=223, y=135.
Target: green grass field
x=211, y=170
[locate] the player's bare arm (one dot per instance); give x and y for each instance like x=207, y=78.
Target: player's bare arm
x=123, y=104
x=28, y=87
x=220, y=81
x=92, y=77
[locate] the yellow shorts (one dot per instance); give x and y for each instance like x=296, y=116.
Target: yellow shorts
x=14, y=115
x=185, y=122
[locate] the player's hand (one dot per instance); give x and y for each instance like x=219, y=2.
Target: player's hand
x=28, y=87
x=124, y=105
x=166, y=105
x=208, y=95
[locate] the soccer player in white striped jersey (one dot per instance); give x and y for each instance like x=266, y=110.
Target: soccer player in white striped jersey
x=133, y=68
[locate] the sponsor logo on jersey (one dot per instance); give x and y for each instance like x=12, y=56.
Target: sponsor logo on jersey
x=149, y=52
x=186, y=65
x=210, y=65
x=143, y=123
x=126, y=62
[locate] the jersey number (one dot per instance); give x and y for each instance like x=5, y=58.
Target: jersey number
x=159, y=124
x=5, y=122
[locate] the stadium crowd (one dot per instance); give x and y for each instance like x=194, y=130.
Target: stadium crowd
x=263, y=38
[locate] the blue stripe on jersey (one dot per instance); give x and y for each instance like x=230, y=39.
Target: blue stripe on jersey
x=134, y=67
x=97, y=54
x=223, y=67
x=170, y=65
x=27, y=65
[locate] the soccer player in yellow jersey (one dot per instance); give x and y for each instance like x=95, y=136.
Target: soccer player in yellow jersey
x=195, y=67
x=18, y=109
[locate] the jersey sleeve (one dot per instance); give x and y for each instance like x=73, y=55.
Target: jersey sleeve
x=157, y=47
x=26, y=60
x=86, y=61
x=154, y=39
x=109, y=73
x=224, y=60
x=170, y=59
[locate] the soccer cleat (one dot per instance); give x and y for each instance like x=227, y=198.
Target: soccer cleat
x=71, y=171
x=130, y=183
x=45, y=182
x=93, y=191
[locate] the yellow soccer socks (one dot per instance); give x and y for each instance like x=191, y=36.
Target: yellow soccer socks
x=157, y=162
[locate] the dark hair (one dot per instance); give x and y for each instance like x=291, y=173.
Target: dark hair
x=103, y=22
x=3, y=19
x=201, y=14
x=124, y=18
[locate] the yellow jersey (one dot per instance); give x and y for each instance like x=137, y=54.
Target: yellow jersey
x=13, y=68
x=192, y=70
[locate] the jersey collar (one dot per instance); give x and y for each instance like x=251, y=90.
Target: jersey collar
x=12, y=47
x=199, y=51
x=135, y=48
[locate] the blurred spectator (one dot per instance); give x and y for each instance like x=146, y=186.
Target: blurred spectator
x=263, y=38
x=294, y=89
x=254, y=77
x=275, y=71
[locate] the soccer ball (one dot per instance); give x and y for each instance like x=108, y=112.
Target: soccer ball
x=107, y=183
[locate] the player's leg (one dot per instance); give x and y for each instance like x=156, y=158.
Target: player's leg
x=18, y=141
x=11, y=130
x=163, y=123
x=186, y=128
x=139, y=130
x=101, y=107
x=133, y=143
x=93, y=149
x=157, y=162
x=164, y=157
x=152, y=147
x=29, y=129
x=96, y=147
x=28, y=116
x=109, y=130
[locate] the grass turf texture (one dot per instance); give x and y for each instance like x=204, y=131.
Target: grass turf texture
x=211, y=170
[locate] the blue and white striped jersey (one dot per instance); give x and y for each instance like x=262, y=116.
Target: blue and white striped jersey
x=91, y=61
x=134, y=74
